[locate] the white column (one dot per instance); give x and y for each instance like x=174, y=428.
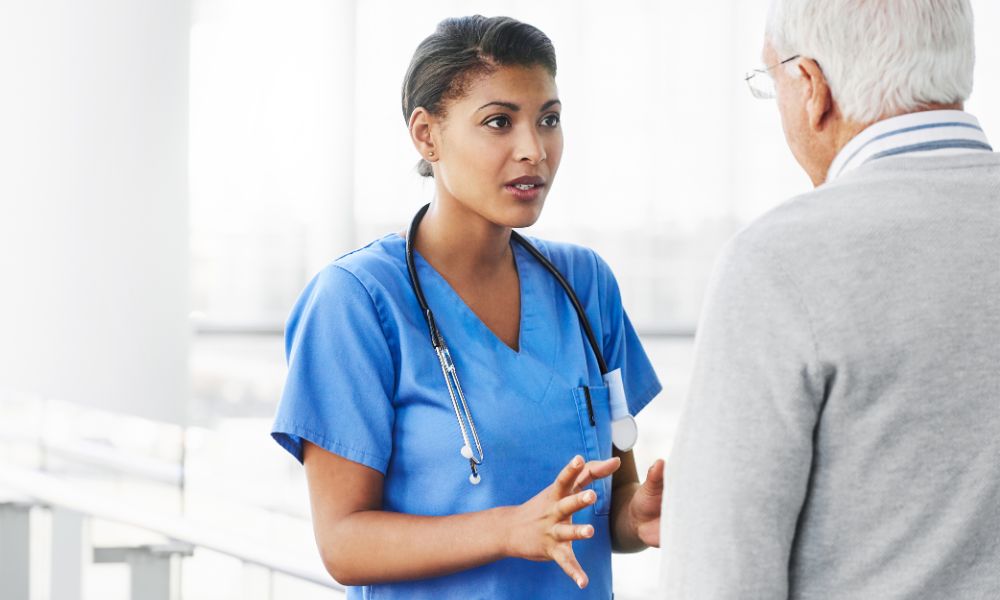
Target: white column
x=93, y=203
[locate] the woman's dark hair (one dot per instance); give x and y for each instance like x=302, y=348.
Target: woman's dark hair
x=463, y=48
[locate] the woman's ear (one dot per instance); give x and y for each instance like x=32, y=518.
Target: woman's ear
x=421, y=125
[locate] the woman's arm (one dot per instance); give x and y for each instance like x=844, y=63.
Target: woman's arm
x=635, y=509
x=362, y=544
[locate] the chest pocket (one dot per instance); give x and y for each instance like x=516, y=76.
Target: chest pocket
x=594, y=412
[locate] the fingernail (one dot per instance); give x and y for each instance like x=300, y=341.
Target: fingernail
x=579, y=583
x=587, y=531
x=590, y=496
x=577, y=460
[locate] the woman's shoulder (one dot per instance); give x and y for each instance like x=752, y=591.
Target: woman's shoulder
x=573, y=260
x=361, y=277
x=385, y=254
x=374, y=266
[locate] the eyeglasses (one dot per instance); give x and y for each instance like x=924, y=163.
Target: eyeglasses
x=761, y=83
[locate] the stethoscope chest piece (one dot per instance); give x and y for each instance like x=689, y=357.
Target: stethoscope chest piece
x=624, y=433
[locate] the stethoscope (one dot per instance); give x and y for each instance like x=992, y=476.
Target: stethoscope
x=623, y=430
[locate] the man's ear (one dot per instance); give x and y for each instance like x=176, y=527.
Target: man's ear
x=420, y=134
x=819, y=101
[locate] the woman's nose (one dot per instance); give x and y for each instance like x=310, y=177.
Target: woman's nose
x=530, y=147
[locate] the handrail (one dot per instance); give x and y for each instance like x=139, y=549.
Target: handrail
x=100, y=455
x=53, y=491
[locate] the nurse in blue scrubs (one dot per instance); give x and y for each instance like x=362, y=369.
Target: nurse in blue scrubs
x=397, y=512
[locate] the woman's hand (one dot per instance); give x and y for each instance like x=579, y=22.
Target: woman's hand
x=542, y=527
x=644, y=507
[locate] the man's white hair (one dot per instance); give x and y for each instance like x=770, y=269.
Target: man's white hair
x=881, y=57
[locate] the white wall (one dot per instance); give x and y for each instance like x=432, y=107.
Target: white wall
x=985, y=100
x=93, y=203
x=272, y=151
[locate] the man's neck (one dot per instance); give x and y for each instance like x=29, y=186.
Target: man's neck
x=848, y=130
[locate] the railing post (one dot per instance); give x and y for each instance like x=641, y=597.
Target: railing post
x=15, y=551
x=154, y=569
x=71, y=552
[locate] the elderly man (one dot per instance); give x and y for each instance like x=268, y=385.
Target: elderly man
x=842, y=434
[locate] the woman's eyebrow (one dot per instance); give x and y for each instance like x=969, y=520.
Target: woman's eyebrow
x=514, y=107
x=508, y=105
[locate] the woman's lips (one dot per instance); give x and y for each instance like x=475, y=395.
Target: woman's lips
x=526, y=188
x=525, y=192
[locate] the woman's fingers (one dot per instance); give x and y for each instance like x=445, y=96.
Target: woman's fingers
x=570, y=504
x=564, y=481
x=596, y=469
x=564, y=532
x=563, y=555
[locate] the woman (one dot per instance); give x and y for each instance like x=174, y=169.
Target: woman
x=371, y=406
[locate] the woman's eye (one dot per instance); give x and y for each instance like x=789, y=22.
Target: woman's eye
x=550, y=120
x=499, y=122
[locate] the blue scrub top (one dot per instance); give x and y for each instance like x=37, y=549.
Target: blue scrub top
x=364, y=383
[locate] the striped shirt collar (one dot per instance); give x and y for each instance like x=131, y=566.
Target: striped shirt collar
x=932, y=132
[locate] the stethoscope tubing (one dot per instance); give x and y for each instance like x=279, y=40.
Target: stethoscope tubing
x=574, y=300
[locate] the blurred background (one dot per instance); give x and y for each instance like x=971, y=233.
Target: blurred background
x=173, y=172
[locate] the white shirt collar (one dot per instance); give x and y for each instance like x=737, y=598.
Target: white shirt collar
x=932, y=132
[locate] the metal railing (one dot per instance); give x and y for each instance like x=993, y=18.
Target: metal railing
x=153, y=568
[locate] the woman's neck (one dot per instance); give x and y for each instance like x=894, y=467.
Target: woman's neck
x=462, y=243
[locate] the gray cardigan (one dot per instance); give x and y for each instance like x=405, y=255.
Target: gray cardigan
x=842, y=434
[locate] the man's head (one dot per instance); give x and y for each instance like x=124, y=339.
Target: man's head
x=862, y=61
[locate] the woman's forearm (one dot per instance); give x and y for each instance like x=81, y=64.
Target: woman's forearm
x=370, y=547
x=362, y=544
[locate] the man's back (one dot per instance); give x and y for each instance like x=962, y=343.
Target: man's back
x=863, y=322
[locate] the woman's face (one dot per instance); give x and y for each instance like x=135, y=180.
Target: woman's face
x=499, y=145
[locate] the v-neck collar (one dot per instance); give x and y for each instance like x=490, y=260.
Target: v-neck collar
x=424, y=268
x=532, y=369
